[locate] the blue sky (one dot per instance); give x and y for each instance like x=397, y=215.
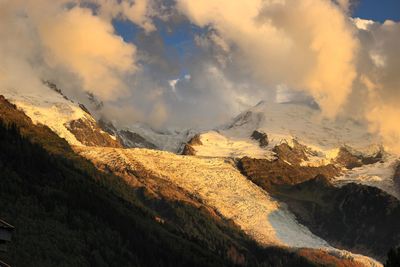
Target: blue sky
x=378, y=10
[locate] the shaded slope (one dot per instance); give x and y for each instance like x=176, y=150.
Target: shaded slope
x=356, y=217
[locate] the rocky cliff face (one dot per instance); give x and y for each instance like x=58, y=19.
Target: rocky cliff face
x=351, y=160
x=189, y=146
x=88, y=133
x=286, y=169
x=261, y=137
x=127, y=138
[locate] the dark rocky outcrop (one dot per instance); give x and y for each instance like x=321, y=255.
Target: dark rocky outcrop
x=188, y=148
x=286, y=169
x=355, y=217
x=261, y=137
x=348, y=160
x=84, y=108
x=130, y=139
x=351, y=161
x=293, y=154
x=269, y=174
x=54, y=87
x=107, y=126
x=88, y=133
x=94, y=101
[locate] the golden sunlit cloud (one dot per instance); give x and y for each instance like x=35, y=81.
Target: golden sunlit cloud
x=88, y=47
x=308, y=45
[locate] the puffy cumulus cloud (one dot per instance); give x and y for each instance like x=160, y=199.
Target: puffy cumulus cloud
x=308, y=45
x=379, y=66
x=61, y=39
x=19, y=48
x=88, y=47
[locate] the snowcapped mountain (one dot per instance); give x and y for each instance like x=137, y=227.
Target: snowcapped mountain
x=70, y=120
x=238, y=169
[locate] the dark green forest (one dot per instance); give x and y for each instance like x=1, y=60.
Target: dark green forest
x=393, y=259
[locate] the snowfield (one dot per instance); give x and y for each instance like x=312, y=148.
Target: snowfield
x=217, y=145
x=222, y=187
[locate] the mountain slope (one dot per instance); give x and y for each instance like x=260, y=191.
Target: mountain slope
x=68, y=119
x=221, y=186
x=206, y=190
x=67, y=213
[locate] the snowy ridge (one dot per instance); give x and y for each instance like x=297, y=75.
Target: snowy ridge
x=49, y=108
x=69, y=120
x=221, y=186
